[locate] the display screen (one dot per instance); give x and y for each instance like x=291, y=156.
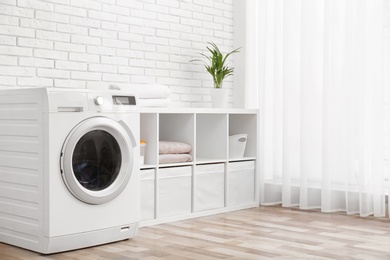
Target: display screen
x=124, y=100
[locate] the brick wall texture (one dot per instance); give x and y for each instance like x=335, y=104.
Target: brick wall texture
x=95, y=43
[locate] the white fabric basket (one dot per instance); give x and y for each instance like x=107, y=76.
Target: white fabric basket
x=241, y=178
x=237, y=145
x=209, y=186
x=147, y=194
x=174, y=191
x=142, y=153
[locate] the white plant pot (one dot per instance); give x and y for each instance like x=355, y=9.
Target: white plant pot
x=218, y=97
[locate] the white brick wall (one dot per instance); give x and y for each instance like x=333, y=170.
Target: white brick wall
x=93, y=43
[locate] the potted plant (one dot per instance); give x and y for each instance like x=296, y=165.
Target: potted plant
x=215, y=64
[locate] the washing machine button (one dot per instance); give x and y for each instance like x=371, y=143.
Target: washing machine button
x=99, y=101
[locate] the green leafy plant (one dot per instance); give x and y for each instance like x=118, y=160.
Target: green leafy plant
x=215, y=64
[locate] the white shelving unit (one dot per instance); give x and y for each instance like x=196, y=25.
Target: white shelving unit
x=212, y=183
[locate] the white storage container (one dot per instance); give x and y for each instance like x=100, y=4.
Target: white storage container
x=147, y=194
x=142, y=153
x=174, y=188
x=237, y=144
x=209, y=186
x=241, y=183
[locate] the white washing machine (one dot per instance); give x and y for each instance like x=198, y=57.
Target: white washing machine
x=69, y=168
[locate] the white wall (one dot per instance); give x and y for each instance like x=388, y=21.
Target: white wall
x=94, y=43
x=240, y=29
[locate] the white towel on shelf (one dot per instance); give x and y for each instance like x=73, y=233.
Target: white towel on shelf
x=174, y=158
x=151, y=91
x=149, y=102
x=172, y=147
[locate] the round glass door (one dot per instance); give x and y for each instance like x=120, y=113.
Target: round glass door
x=96, y=160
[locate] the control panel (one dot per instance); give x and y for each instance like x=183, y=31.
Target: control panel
x=90, y=100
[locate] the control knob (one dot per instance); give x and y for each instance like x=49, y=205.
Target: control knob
x=99, y=101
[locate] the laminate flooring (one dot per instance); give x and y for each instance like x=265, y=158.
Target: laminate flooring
x=269, y=232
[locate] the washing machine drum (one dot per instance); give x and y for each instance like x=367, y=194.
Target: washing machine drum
x=97, y=160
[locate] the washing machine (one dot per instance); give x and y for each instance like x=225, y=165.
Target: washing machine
x=69, y=168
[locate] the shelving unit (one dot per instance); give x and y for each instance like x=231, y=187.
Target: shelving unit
x=212, y=182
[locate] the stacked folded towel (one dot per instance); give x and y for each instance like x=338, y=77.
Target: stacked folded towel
x=174, y=152
x=152, y=95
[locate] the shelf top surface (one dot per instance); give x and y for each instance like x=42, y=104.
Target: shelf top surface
x=193, y=110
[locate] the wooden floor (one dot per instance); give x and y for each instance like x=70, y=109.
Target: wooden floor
x=259, y=233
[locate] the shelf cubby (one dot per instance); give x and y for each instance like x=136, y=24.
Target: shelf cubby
x=245, y=123
x=211, y=133
x=149, y=126
x=178, y=128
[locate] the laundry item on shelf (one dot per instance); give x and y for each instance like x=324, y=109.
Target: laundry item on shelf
x=154, y=102
x=142, y=145
x=170, y=147
x=151, y=91
x=174, y=152
x=152, y=95
x=174, y=158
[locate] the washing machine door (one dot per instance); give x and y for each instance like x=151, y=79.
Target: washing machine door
x=97, y=160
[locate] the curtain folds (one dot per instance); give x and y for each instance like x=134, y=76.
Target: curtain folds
x=324, y=106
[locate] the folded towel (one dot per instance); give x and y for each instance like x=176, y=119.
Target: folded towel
x=170, y=147
x=174, y=158
x=151, y=91
x=154, y=102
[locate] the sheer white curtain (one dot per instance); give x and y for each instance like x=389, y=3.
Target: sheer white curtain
x=323, y=103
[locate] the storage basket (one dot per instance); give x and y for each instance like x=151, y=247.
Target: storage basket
x=241, y=183
x=142, y=153
x=147, y=194
x=210, y=186
x=174, y=191
x=237, y=145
